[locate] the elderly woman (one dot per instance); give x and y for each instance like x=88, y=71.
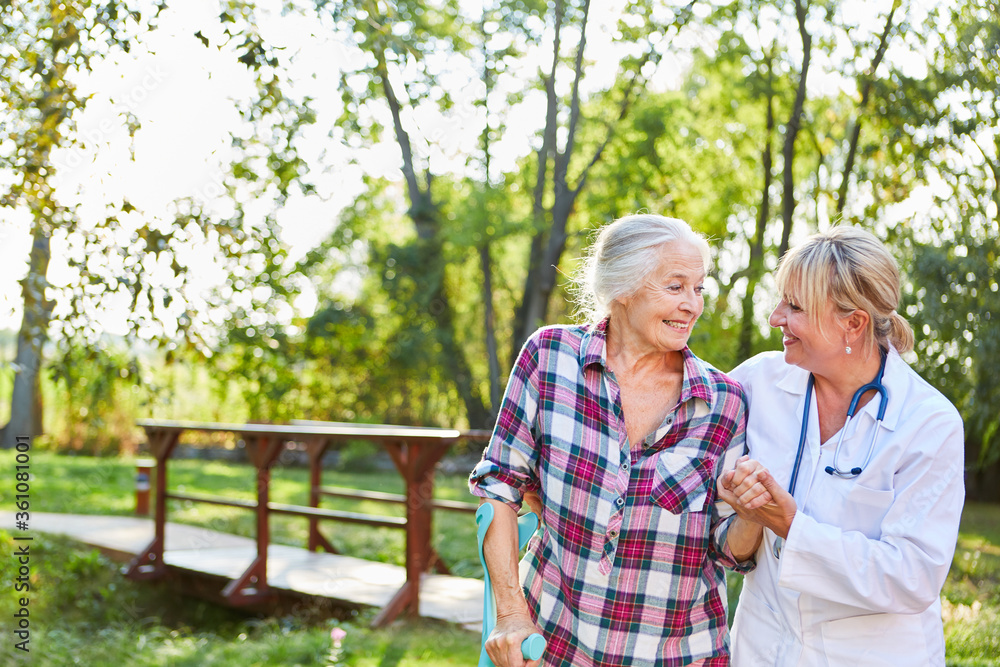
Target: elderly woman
x=617, y=433
x=861, y=512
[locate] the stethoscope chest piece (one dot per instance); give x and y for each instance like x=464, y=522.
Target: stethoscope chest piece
x=776, y=546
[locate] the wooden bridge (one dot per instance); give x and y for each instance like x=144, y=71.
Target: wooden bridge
x=255, y=572
x=205, y=560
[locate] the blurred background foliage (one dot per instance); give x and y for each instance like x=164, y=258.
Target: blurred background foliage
x=510, y=140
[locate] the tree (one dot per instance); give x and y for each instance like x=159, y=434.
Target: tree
x=402, y=42
x=430, y=282
x=46, y=44
x=142, y=256
x=952, y=247
x=555, y=193
x=709, y=153
x=402, y=76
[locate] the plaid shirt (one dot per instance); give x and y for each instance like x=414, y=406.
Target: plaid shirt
x=627, y=568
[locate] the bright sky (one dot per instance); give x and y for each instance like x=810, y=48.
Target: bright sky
x=182, y=94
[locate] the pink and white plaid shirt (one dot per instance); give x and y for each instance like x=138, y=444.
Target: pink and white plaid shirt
x=627, y=568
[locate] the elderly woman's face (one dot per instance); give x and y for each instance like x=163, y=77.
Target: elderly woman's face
x=662, y=313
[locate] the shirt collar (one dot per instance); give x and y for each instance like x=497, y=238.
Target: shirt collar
x=593, y=345
x=697, y=380
x=794, y=381
x=895, y=368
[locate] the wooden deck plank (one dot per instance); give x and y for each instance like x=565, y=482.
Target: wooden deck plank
x=344, y=578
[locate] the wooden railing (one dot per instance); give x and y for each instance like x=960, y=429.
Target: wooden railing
x=414, y=451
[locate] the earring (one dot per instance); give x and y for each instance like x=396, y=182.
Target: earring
x=847, y=349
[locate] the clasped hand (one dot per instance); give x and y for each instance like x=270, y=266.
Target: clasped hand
x=752, y=491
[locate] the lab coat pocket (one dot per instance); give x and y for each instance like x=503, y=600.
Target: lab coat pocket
x=681, y=483
x=757, y=631
x=865, y=508
x=869, y=497
x=875, y=640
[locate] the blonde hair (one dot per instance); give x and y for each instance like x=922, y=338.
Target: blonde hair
x=853, y=270
x=621, y=258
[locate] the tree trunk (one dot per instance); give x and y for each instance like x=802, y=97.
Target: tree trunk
x=791, y=132
x=549, y=241
x=526, y=317
x=485, y=259
x=756, y=265
x=866, y=89
x=426, y=220
x=489, y=322
x=453, y=357
x=26, y=398
x=548, y=244
x=538, y=297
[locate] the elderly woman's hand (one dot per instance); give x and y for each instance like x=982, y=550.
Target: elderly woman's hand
x=744, y=484
x=756, y=496
x=504, y=643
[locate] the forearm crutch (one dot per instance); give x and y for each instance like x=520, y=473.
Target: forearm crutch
x=532, y=647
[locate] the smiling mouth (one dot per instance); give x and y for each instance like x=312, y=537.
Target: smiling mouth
x=679, y=326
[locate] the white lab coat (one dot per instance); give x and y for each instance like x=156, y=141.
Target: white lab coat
x=860, y=575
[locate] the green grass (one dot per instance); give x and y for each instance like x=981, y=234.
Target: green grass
x=84, y=612
x=971, y=597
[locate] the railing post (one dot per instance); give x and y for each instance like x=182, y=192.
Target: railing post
x=415, y=462
x=263, y=526
x=316, y=448
x=149, y=563
x=252, y=586
x=419, y=503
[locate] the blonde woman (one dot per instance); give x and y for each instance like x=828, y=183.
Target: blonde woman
x=860, y=513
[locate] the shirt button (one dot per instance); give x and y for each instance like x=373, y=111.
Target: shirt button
x=613, y=534
x=625, y=466
x=620, y=502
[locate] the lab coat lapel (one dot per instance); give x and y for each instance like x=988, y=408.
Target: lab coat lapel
x=794, y=381
x=894, y=380
x=895, y=370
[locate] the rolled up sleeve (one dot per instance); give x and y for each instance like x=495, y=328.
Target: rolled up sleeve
x=508, y=469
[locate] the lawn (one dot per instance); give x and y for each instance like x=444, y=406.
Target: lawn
x=84, y=612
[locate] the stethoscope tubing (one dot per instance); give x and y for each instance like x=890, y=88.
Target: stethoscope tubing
x=852, y=410
x=802, y=436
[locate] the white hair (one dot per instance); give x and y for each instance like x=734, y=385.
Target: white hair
x=621, y=258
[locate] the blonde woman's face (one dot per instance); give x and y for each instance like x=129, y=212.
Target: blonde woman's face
x=814, y=348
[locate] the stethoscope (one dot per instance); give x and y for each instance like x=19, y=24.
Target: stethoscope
x=852, y=410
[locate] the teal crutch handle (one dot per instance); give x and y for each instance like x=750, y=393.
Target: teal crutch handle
x=532, y=647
